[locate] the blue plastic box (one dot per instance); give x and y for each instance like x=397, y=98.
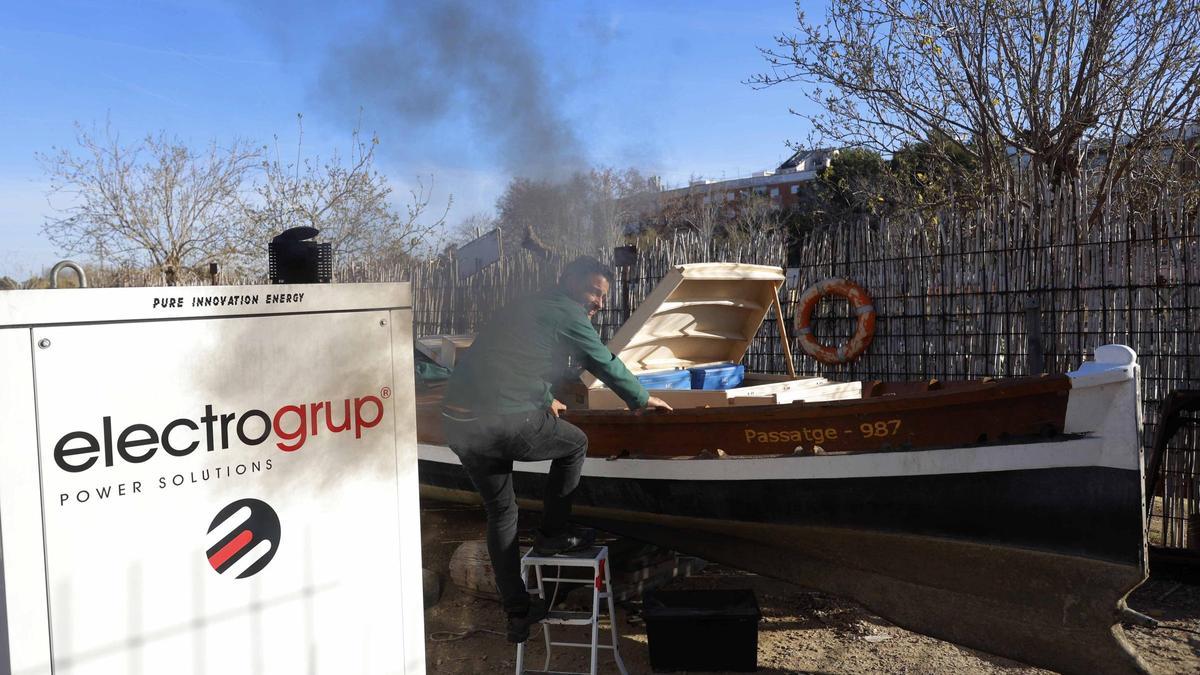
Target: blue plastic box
x=719, y=376
x=666, y=379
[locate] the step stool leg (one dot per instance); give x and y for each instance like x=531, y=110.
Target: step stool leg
x=612, y=621
x=541, y=590
x=521, y=646
x=596, y=615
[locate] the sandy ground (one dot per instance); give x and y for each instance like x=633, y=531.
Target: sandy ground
x=801, y=631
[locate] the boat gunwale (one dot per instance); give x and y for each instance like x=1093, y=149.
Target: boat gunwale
x=995, y=390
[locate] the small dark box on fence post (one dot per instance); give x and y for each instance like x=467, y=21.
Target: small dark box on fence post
x=293, y=260
x=702, y=630
x=1035, y=352
x=624, y=256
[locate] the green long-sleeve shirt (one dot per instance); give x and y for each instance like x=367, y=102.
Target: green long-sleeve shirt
x=513, y=361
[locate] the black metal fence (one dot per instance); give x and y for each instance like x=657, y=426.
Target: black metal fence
x=960, y=302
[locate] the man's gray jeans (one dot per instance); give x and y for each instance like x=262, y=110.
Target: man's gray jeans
x=487, y=445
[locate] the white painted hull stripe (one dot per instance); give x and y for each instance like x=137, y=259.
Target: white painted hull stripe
x=1080, y=452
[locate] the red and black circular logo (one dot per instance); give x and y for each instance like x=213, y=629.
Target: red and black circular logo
x=249, y=534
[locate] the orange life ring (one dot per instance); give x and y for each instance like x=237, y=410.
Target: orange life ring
x=865, y=311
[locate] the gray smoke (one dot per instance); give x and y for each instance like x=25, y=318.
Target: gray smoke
x=426, y=63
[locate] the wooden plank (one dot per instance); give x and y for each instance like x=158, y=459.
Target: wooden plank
x=835, y=391
x=452, y=345
x=781, y=327
x=767, y=378
x=606, y=399
x=784, y=392
x=430, y=346
x=767, y=399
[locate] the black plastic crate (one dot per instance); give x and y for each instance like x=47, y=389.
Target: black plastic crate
x=702, y=630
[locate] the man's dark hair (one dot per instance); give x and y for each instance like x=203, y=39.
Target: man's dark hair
x=582, y=269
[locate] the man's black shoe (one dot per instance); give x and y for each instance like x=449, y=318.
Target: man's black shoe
x=573, y=539
x=519, y=625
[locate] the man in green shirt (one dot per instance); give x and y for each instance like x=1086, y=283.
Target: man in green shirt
x=499, y=408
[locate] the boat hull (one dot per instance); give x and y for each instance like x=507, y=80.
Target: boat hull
x=1082, y=510
x=962, y=557
x=1024, y=548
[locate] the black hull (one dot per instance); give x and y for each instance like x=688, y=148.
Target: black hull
x=1079, y=511
x=1019, y=563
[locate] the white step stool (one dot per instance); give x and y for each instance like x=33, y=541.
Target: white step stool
x=596, y=558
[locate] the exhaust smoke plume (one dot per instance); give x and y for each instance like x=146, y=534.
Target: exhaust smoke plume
x=423, y=64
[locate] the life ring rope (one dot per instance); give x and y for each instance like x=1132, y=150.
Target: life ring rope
x=864, y=311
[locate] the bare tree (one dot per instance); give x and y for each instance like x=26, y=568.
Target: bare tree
x=156, y=201
x=619, y=201
x=594, y=210
x=700, y=210
x=554, y=213
x=523, y=209
x=348, y=201
x=754, y=214
x=472, y=227
x=1060, y=83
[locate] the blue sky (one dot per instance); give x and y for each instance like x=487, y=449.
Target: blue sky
x=657, y=86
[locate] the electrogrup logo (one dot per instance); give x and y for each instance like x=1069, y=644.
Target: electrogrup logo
x=249, y=537
x=292, y=425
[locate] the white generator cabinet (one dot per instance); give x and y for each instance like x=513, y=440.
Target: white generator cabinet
x=216, y=479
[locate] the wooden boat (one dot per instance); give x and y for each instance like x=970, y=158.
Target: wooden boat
x=1000, y=514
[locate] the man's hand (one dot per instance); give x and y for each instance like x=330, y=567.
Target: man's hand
x=658, y=403
x=557, y=406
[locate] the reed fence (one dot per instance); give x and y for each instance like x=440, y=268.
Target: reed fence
x=955, y=298
x=1004, y=290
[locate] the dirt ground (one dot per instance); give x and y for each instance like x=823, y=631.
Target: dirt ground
x=801, y=631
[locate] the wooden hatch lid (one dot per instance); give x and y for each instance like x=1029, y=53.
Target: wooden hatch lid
x=699, y=313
